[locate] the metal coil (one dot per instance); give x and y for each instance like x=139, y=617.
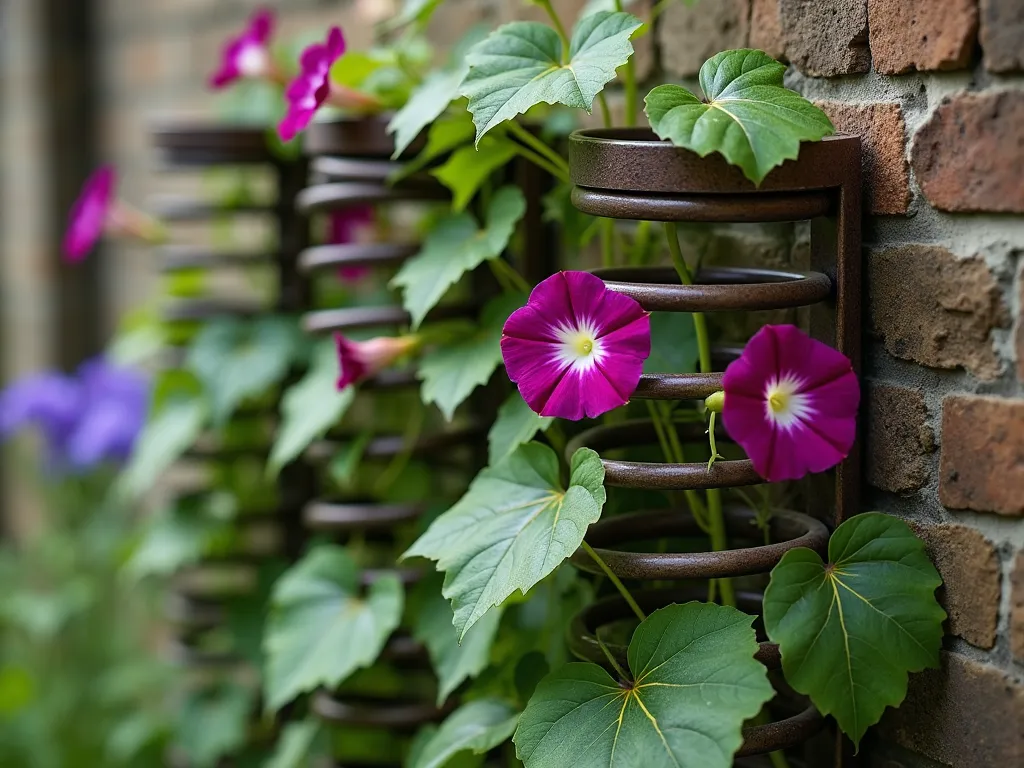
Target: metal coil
x=351, y=166
x=198, y=608
x=629, y=174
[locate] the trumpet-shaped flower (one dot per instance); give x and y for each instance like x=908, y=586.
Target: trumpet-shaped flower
x=345, y=227
x=791, y=403
x=359, y=360
x=576, y=349
x=248, y=54
x=311, y=87
x=89, y=214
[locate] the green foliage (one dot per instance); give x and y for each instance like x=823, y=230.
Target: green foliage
x=428, y=102
x=451, y=373
x=749, y=117
x=478, y=726
x=237, y=359
x=470, y=167
x=321, y=628
x=456, y=246
x=214, y=723
x=298, y=742
x=516, y=424
x=445, y=135
x=673, y=343
x=309, y=408
x=523, y=64
x=454, y=662
x=164, y=439
x=851, y=630
x=694, y=683
x=512, y=528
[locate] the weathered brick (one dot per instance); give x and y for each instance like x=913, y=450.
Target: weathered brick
x=921, y=34
x=886, y=171
x=935, y=309
x=1002, y=33
x=766, y=28
x=969, y=566
x=898, y=438
x=968, y=155
x=982, y=457
x=964, y=714
x=1017, y=607
x=826, y=38
x=690, y=35
x=1020, y=324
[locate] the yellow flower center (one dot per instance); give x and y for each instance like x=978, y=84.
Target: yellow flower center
x=584, y=345
x=778, y=401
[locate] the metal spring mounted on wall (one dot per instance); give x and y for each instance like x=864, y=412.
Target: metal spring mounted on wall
x=198, y=607
x=351, y=166
x=629, y=174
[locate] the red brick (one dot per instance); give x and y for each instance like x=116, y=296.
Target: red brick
x=1017, y=607
x=935, y=309
x=898, y=438
x=690, y=35
x=965, y=714
x=1020, y=324
x=1002, y=35
x=969, y=566
x=921, y=34
x=982, y=458
x=766, y=28
x=886, y=171
x=968, y=155
x=826, y=38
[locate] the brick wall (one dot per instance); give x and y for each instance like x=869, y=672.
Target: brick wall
x=936, y=89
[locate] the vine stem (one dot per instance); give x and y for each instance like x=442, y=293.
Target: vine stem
x=506, y=273
x=716, y=517
x=674, y=454
x=557, y=22
x=540, y=148
x=542, y=162
x=630, y=83
x=623, y=675
x=614, y=580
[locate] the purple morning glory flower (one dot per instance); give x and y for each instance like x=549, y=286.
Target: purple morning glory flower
x=345, y=226
x=85, y=420
x=248, y=54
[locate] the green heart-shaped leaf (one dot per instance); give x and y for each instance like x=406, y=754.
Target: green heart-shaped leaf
x=478, y=726
x=451, y=373
x=521, y=65
x=749, y=117
x=309, y=408
x=469, y=167
x=851, y=630
x=695, y=681
x=425, y=105
x=512, y=528
x=516, y=424
x=456, y=246
x=320, y=628
x=236, y=359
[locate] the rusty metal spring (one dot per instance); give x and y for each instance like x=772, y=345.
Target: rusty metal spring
x=270, y=532
x=627, y=173
x=350, y=166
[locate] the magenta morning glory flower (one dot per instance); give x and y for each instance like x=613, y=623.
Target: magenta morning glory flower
x=248, y=54
x=359, y=360
x=312, y=87
x=89, y=214
x=576, y=349
x=790, y=403
x=345, y=226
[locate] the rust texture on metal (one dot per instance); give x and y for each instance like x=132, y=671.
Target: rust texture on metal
x=197, y=606
x=629, y=174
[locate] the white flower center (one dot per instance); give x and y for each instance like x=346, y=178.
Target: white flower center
x=785, y=404
x=578, y=346
x=252, y=61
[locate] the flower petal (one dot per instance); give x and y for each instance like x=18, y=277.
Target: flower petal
x=534, y=367
x=583, y=393
x=814, y=362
